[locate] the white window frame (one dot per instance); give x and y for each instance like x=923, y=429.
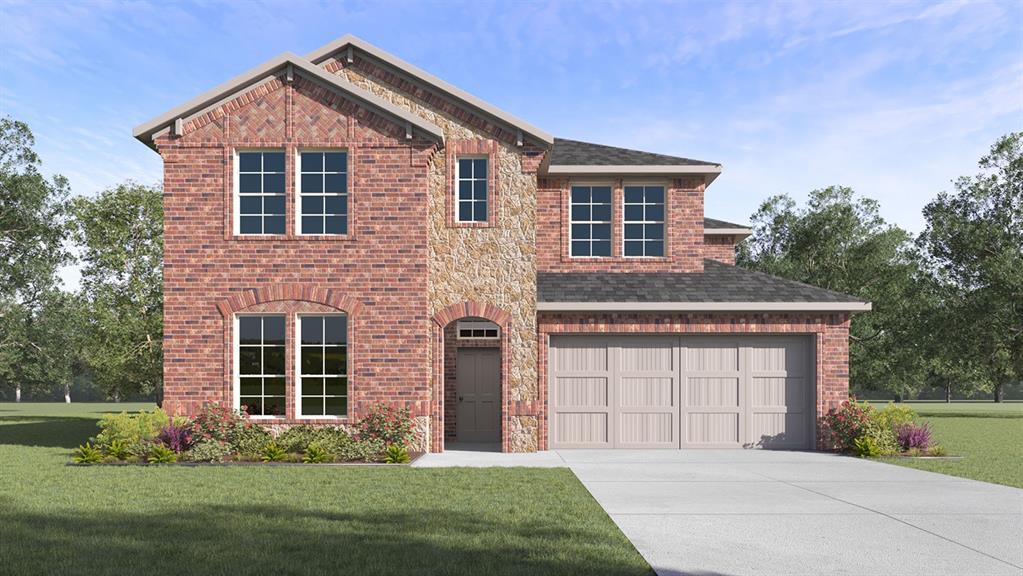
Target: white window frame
x=458, y=200
x=298, y=191
x=610, y=223
x=298, y=367
x=477, y=325
x=663, y=222
x=236, y=361
x=236, y=192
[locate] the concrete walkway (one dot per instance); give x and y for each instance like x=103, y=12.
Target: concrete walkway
x=729, y=512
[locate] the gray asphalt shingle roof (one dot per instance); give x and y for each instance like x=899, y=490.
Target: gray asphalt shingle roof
x=714, y=223
x=576, y=153
x=717, y=283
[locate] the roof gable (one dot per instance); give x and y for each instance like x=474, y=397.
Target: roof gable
x=266, y=71
x=351, y=42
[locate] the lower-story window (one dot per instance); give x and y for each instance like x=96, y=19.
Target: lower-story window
x=260, y=365
x=323, y=366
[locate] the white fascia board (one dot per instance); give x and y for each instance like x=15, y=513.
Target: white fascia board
x=728, y=231
x=323, y=52
x=703, y=306
x=264, y=72
x=709, y=173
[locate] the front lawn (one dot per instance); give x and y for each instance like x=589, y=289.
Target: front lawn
x=58, y=519
x=987, y=435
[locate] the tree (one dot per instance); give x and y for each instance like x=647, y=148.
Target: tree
x=121, y=235
x=840, y=242
x=33, y=227
x=974, y=245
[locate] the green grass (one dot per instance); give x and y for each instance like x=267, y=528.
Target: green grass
x=987, y=435
x=59, y=519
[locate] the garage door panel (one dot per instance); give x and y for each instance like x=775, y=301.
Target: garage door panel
x=779, y=430
x=581, y=355
x=779, y=392
x=581, y=392
x=710, y=357
x=712, y=429
x=715, y=392
x=647, y=355
x=644, y=429
x=582, y=429
x=638, y=392
x=779, y=354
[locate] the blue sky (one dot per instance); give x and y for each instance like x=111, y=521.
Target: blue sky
x=894, y=99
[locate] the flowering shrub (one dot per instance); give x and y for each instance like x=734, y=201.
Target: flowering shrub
x=916, y=436
x=216, y=422
x=177, y=438
x=208, y=451
x=389, y=425
x=846, y=423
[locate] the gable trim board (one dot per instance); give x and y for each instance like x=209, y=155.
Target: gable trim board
x=703, y=306
x=266, y=72
x=321, y=54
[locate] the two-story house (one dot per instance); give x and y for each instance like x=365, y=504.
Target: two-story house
x=343, y=229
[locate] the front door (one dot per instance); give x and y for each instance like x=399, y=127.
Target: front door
x=478, y=383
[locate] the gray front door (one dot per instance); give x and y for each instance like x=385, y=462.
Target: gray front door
x=478, y=383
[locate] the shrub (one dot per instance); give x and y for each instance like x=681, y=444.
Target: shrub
x=132, y=430
x=298, y=438
x=216, y=422
x=273, y=452
x=880, y=437
x=160, y=454
x=937, y=450
x=251, y=440
x=895, y=415
x=390, y=425
x=360, y=450
x=396, y=454
x=914, y=436
x=844, y=425
x=208, y=451
x=87, y=454
x=315, y=454
x=177, y=438
x=118, y=450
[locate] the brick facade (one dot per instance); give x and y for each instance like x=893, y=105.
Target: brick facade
x=405, y=271
x=720, y=248
x=830, y=332
x=684, y=251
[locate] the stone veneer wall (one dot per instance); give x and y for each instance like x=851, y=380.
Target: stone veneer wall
x=494, y=264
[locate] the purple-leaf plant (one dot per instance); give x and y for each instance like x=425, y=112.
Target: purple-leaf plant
x=914, y=436
x=177, y=438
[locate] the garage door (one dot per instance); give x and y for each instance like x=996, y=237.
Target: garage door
x=681, y=391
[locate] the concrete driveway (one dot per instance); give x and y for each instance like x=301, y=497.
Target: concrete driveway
x=761, y=512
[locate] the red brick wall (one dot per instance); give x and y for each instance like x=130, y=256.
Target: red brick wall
x=683, y=229
x=830, y=331
x=380, y=264
x=720, y=248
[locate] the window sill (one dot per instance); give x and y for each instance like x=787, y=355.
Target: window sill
x=456, y=224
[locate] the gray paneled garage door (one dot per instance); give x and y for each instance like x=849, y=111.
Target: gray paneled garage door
x=681, y=391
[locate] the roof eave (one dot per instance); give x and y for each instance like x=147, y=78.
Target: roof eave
x=709, y=172
x=744, y=232
x=851, y=307
x=261, y=73
x=320, y=54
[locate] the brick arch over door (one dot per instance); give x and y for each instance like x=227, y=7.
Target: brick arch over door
x=468, y=309
x=288, y=299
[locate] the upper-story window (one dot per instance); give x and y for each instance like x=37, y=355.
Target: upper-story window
x=471, y=177
x=591, y=221
x=260, y=365
x=643, y=221
x=323, y=192
x=260, y=187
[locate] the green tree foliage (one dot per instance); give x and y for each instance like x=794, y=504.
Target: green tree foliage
x=33, y=227
x=974, y=246
x=121, y=236
x=840, y=242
